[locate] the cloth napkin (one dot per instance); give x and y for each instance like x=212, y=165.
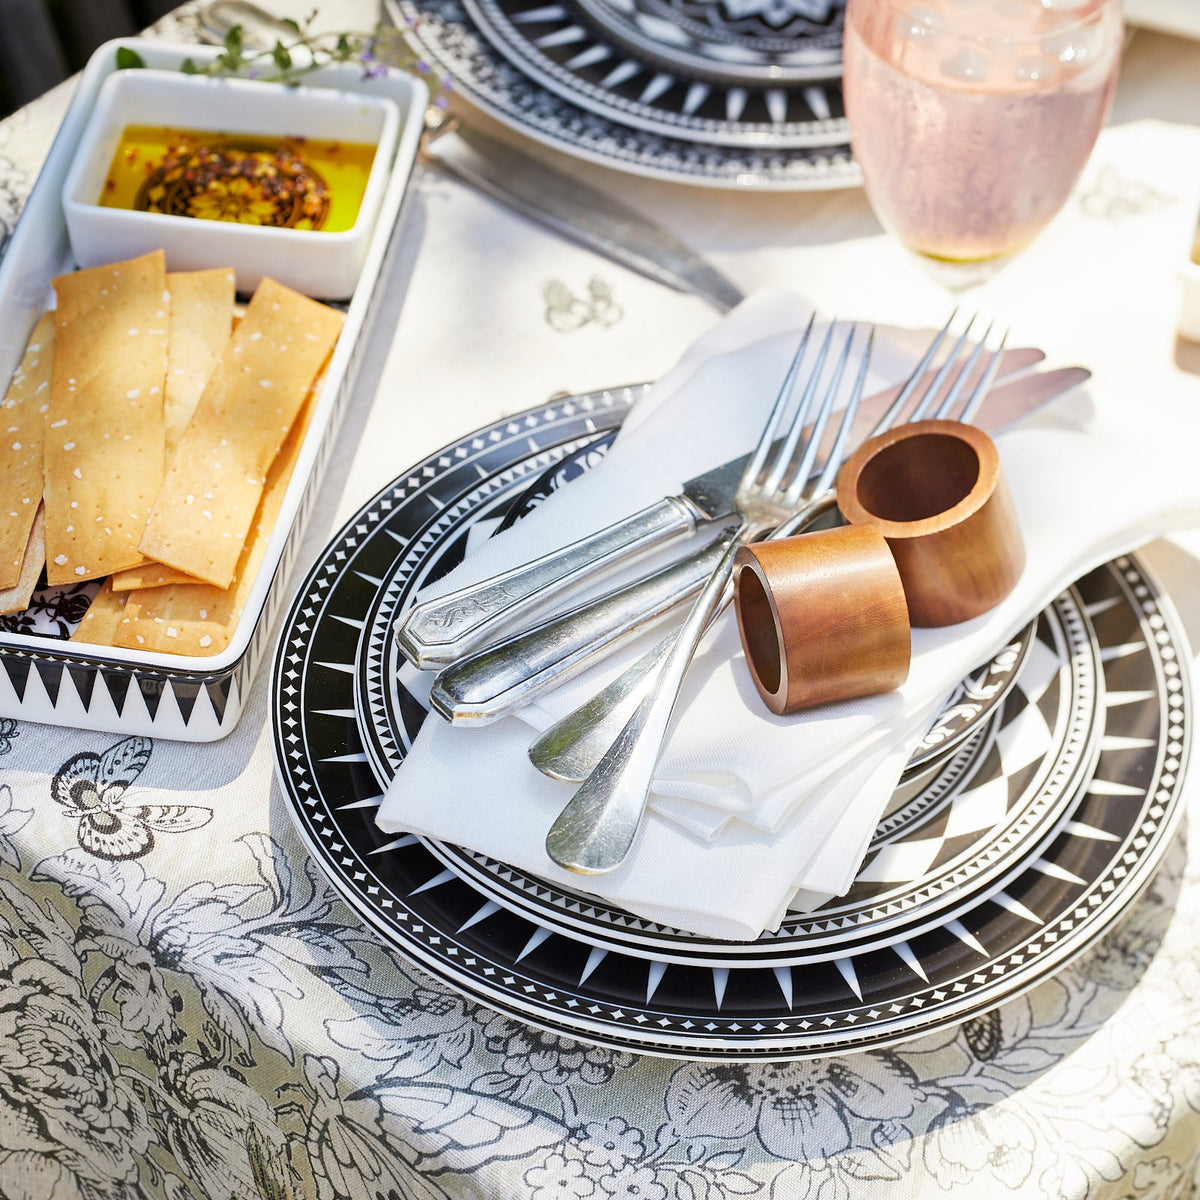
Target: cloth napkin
x=751, y=812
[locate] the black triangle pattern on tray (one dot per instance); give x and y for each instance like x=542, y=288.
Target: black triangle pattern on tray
x=40, y=683
x=574, y=965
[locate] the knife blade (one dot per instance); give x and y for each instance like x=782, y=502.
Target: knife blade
x=578, y=212
x=436, y=632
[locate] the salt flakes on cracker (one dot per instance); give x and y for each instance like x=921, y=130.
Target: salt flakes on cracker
x=198, y=618
x=201, y=321
x=22, y=424
x=104, y=429
x=215, y=478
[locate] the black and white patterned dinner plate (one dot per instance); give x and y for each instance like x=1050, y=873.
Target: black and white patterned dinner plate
x=579, y=59
x=444, y=34
x=567, y=963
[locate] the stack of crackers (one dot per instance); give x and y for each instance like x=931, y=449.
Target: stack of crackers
x=149, y=437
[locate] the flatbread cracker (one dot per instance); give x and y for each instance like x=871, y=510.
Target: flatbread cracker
x=104, y=431
x=102, y=619
x=198, y=618
x=215, y=478
x=151, y=575
x=22, y=428
x=16, y=598
x=201, y=322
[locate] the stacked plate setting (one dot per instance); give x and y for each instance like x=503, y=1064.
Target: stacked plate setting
x=697, y=91
x=1005, y=852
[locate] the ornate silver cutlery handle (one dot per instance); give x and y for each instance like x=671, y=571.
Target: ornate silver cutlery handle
x=440, y=631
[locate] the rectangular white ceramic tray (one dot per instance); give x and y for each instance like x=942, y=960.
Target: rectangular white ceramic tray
x=45, y=678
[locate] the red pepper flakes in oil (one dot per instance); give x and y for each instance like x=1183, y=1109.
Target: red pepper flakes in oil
x=293, y=183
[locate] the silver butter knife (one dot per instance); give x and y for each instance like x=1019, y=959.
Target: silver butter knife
x=578, y=212
x=437, y=632
x=523, y=183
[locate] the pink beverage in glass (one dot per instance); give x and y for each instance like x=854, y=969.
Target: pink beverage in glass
x=972, y=119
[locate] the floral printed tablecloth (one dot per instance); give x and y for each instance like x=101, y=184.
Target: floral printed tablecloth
x=204, y=1019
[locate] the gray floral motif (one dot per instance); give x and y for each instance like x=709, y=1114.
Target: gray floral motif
x=529, y=1055
x=1114, y=196
x=207, y=1122
x=558, y=1177
x=68, y=1113
x=611, y=1158
x=803, y=1110
x=8, y=733
x=13, y=818
x=143, y=1051
x=611, y=1144
x=968, y=1141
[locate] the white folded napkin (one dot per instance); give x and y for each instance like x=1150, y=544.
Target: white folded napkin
x=751, y=811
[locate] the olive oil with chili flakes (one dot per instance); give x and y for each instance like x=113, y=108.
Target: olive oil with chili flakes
x=294, y=182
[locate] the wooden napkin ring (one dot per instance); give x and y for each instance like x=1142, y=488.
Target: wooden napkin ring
x=822, y=617
x=935, y=490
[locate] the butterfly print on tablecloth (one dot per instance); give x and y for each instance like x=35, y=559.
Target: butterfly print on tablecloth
x=92, y=790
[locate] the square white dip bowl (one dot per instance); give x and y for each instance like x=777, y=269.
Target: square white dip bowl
x=321, y=264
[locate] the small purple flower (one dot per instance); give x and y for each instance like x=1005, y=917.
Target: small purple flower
x=375, y=70
x=440, y=102
x=421, y=66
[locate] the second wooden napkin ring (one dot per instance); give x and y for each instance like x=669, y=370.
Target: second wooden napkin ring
x=822, y=617
x=935, y=490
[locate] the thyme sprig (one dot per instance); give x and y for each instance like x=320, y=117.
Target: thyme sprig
x=290, y=59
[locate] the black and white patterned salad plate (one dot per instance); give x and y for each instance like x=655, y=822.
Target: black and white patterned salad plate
x=1094, y=732
x=665, y=130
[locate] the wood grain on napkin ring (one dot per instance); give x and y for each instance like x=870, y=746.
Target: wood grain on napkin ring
x=935, y=490
x=822, y=617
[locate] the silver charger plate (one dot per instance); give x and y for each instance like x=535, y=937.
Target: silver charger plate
x=444, y=34
x=568, y=963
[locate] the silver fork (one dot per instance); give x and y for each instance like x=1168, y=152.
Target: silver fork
x=573, y=748
x=594, y=832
